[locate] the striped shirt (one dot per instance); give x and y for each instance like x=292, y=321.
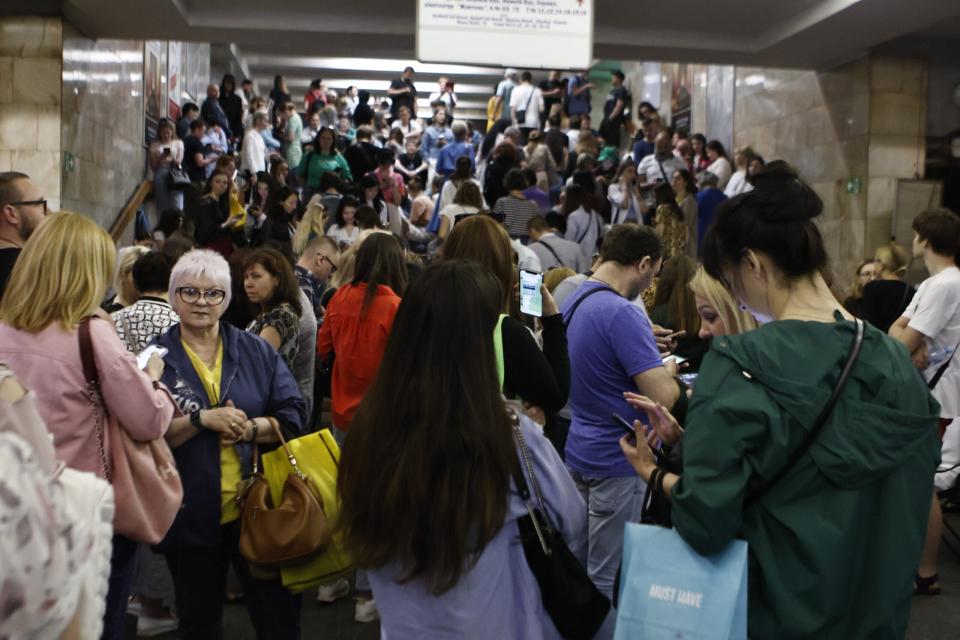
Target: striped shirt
x=516, y=212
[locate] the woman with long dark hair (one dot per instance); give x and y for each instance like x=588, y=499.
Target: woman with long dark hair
x=834, y=516
x=435, y=524
x=356, y=326
x=675, y=307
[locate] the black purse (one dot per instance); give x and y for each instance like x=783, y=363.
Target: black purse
x=572, y=601
x=177, y=178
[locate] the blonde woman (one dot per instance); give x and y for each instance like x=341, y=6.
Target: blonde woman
x=57, y=283
x=311, y=225
x=125, y=292
x=720, y=314
x=886, y=296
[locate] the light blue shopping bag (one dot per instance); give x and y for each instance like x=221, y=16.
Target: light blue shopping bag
x=668, y=590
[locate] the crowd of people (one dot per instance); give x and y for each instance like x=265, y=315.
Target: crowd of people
x=355, y=268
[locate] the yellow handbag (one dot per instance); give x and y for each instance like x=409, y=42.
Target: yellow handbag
x=318, y=457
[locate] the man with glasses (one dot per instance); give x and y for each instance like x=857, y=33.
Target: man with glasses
x=22, y=209
x=316, y=264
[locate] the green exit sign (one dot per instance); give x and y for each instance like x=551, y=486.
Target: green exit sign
x=853, y=185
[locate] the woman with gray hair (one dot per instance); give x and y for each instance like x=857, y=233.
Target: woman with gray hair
x=234, y=390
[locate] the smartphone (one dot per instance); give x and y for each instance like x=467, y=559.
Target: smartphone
x=626, y=425
x=689, y=379
x=680, y=359
x=531, y=300
x=166, y=151
x=144, y=356
x=657, y=453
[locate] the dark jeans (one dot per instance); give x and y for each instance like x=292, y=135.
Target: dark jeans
x=200, y=579
x=122, y=562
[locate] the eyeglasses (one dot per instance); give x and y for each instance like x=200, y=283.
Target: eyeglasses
x=190, y=295
x=333, y=267
x=32, y=203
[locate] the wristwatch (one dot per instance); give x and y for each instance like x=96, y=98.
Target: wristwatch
x=195, y=420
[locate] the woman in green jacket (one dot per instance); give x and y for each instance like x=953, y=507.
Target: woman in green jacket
x=834, y=544
x=324, y=158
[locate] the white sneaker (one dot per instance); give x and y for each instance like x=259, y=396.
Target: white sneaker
x=332, y=592
x=134, y=607
x=366, y=611
x=148, y=627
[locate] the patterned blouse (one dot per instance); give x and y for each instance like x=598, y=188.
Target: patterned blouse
x=141, y=322
x=286, y=322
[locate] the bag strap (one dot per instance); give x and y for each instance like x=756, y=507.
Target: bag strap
x=530, y=99
x=86, y=354
x=818, y=424
x=662, y=170
x=576, y=304
x=943, y=369
x=97, y=402
x=538, y=517
x=586, y=230
x=551, y=250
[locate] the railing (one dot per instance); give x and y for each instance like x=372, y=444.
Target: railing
x=129, y=211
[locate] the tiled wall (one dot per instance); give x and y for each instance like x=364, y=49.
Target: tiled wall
x=30, y=66
x=102, y=124
x=818, y=123
x=864, y=120
x=898, y=120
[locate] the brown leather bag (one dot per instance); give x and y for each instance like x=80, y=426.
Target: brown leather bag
x=289, y=533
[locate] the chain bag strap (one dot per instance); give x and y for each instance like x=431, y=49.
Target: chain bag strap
x=94, y=395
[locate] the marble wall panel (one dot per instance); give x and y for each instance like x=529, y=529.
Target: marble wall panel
x=36, y=81
x=720, y=105
x=6, y=80
x=102, y=111
x=30, y=37
x=29, y=100
x=895, y=156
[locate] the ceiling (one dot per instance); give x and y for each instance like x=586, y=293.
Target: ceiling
x=369, y=41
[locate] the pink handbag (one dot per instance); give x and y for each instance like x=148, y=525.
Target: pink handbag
x=146, y=484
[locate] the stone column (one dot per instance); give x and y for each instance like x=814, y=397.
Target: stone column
x=30, y=71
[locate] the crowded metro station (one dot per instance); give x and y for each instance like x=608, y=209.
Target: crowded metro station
x=388, y=320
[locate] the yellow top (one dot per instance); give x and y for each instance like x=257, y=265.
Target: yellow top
x=230, y=474
x=236, y=208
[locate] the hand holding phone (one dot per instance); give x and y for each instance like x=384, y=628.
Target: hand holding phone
x=531, y=298
x=657, y=453
x=144, y=356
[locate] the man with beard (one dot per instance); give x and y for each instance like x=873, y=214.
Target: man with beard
x=612, y=350
x=22, y=209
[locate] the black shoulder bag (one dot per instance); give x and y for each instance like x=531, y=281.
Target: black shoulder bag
x=572, y=601
x=817, y=426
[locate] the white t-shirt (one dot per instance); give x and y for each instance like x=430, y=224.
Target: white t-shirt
x=935, y=312
x=343, y=235
x=451, y=211
x=527, y=96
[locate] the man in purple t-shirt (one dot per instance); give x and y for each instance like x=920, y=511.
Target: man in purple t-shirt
x=612, y=350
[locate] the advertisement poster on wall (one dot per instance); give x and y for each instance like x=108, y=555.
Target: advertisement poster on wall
x=154, y=101
x=681, y=93
x=174, y=81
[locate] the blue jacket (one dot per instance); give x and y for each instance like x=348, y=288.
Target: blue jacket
x=447, y=158
x=257, y=380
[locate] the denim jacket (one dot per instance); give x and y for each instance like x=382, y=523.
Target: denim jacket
x=258, y=382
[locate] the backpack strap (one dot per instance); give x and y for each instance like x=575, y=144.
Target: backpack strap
x=577, y=304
